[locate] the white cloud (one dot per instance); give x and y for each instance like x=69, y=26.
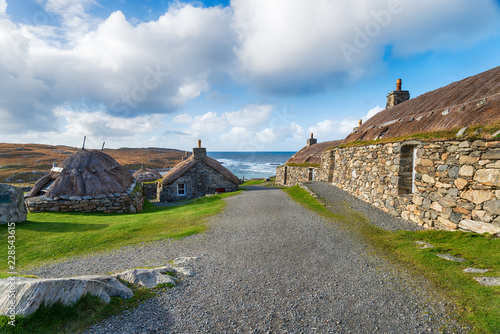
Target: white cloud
x=248, y=116
x=304, y=44
x=126, y=70
x=331, y=129
x=372, y=112
x=183, y=119
x=3, y=6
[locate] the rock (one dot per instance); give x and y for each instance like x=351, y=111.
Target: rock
x=489, y=177
x=475, y=270
x=12, y=208
x=424, y=244
x=466, y=170
x=32, y=292
x=460, y=183
x=428, y=179
x=481, y=215
x=185, y=271
x=450, y=257
x=478, y=227
x=184, y=260
x=448, y=202
x=467, y=160
x=148, y=278
x=86, y=198
x=488, y=281
x=132, y=209
x=75, y=198
x=477, y=196
x=461, y=132
x=437, y=207
x=447, y=224
x=491, y=154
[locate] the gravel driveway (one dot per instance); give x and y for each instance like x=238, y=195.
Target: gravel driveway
x=267, y=265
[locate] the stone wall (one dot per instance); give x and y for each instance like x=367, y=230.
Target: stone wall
x=150, y=190
x=289, y=176
x=454, y=181
x=199, y=181
x=131, y=202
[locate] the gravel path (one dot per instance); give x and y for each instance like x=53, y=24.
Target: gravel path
x=335, y=197
x=267, y=265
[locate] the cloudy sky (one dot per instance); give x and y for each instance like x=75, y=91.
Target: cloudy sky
x=242, y=75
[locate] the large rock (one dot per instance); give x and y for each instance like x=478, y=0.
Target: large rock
x=32, y=292
x=149, y=278
x=12, y=209
x=478, y=227
x=489, y=177
x=477, y=196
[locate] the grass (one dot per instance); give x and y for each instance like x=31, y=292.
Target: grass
x=46, y=237
x=75, y=318
x=478, y=305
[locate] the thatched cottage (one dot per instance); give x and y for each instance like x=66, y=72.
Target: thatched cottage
x=197, y=176
x=433, y=159
x=88, y=181
x=149, y=179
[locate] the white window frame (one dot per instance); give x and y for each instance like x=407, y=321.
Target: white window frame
x=181, y=189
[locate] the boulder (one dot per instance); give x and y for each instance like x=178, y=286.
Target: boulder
x=148, y=278
x=12, y=208
x=478, y=227
x=32, y=292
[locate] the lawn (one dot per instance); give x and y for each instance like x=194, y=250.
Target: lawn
x=46, y=237
x=478, y=305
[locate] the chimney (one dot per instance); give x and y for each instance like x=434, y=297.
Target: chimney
x=360, y=122
x=398, y=96
x=199, y=152
x=311, y=141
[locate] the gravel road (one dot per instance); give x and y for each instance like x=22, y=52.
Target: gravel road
x=267, y=265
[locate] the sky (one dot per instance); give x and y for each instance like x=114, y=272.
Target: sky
x=241, y=75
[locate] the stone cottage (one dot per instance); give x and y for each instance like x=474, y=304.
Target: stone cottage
x=197, y=176
x=433, y=159
x=88, y=181
x=12, y=209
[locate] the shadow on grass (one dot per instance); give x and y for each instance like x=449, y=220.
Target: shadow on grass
x=58, y=227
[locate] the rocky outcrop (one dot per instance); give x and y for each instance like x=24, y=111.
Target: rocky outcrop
x=12, y=209
x=148, y=278
x=30, y=293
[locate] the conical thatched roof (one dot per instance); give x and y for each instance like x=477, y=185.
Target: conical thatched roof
x=147, y=175
x=86, y=173
x=472, y=101
x=187, y=164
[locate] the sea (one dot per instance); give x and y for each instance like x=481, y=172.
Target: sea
x=251, y=165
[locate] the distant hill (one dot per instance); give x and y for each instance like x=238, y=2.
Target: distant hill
x=26, y=163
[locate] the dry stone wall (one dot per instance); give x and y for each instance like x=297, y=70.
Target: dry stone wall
x=455, y=182
x=131, y=202
x=289, y=176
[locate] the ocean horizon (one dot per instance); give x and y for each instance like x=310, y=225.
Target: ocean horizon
x=252, y=165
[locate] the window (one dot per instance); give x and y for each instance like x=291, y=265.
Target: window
x=181, y=189
x=5, y=198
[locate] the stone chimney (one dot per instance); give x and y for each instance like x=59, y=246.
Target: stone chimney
x=312, y=140
x=199, y=152
x=397, y=96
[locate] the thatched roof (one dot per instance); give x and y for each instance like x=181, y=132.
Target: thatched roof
x=312, y=154
x=472, y=101
x=187, y=164
x=146, y=175
x=86, y=173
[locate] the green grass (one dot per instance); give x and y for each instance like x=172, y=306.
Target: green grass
x=75, y=318
x=478, y=306
x=46, y=237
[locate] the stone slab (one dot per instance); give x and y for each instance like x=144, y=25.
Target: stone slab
x=488, y=281
x=475, y=270
x=450, y=257
x=424, y=244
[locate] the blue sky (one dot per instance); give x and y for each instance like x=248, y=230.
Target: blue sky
x=242, y=75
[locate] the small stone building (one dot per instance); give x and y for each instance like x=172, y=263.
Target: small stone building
x=197, y=176
x=149, y=179
x=12, y=209
x=88, y=181
x=433, y=159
